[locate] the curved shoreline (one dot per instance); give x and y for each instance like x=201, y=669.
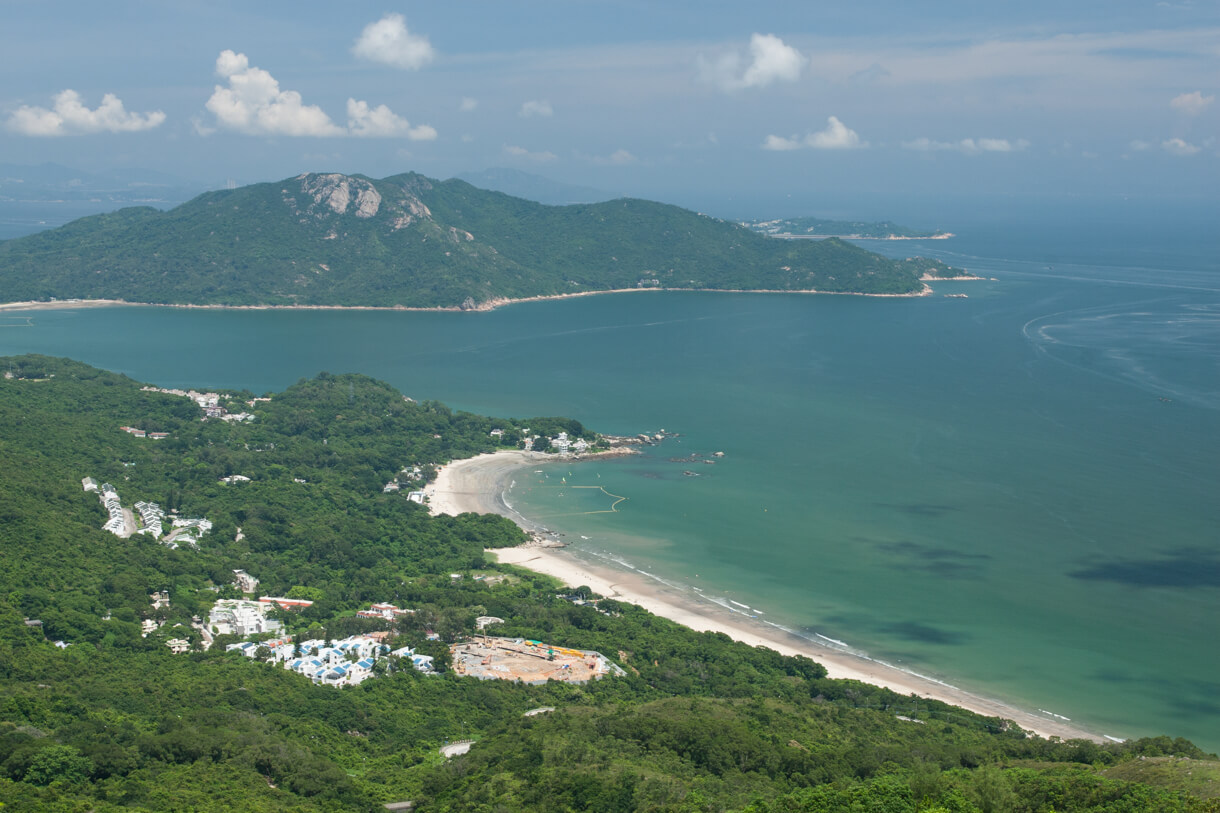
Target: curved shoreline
x=478, y=484
x=482, y=307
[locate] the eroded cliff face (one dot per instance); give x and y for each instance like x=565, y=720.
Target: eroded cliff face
x=335, y=192
x=320, y=197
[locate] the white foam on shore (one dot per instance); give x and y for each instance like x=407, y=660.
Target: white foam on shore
x=817, y=639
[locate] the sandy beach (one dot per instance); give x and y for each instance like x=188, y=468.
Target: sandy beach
x=482, y=307
x=477, y=485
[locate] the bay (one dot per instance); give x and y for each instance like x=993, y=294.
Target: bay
x=1015, y=492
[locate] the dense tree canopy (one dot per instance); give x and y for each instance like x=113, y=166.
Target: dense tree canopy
x=115, y=721
x=320, y=240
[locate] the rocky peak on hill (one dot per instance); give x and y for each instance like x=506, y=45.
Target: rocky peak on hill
x=320, y=196
x=335, y=192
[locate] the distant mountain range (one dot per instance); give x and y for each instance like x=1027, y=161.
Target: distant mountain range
x=533, y=187
x=410, y=241
x=54, y=182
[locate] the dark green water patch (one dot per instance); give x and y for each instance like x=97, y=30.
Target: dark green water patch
x=1188, y=568
x=924, y=633
x=944, y=563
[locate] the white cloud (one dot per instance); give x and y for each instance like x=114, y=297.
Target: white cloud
x=779, y=143
x=1140, y=146
x=468, y=104
x=254, y=104
x=770, y=61
x=618, y=158
x=522, y=152
x=69, y=116
x=1192, y=104
x=536, y=107
x=970, y=146
x=388, y=42
x=994, y=145
x=1176, y=146
x=836, y=136
x=381, y=122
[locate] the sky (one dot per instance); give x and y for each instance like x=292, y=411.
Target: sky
x=767, y=109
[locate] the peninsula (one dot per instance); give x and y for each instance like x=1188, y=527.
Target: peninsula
x=331, y=240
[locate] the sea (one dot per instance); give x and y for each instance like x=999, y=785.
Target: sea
x=1015, y=492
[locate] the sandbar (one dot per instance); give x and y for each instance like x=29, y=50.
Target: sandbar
x=478, y=484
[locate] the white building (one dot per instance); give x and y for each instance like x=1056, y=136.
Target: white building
x=422, y=663
x=151, y=516
x=233, y=616
x=244, y=581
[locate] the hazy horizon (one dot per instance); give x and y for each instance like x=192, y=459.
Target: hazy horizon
x=873, y=110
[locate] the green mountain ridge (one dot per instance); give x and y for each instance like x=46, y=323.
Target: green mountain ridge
x=409, y=241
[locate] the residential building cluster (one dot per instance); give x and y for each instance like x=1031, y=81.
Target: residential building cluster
x=387, y=612
x=348, y=662
x=236, y=616
x=116, y=522
x=409, y=474
x=151, y=516
x=209, y=402
x=188, y=530
x=561, y=443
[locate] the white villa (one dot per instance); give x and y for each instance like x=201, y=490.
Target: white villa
x=234, y=616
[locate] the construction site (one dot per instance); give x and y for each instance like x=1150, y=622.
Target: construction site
x=530, y=662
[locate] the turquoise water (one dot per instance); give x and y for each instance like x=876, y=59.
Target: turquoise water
x=1015, y=492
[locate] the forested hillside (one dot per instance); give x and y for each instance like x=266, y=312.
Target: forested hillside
x=413, y=242
x=96, y=716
